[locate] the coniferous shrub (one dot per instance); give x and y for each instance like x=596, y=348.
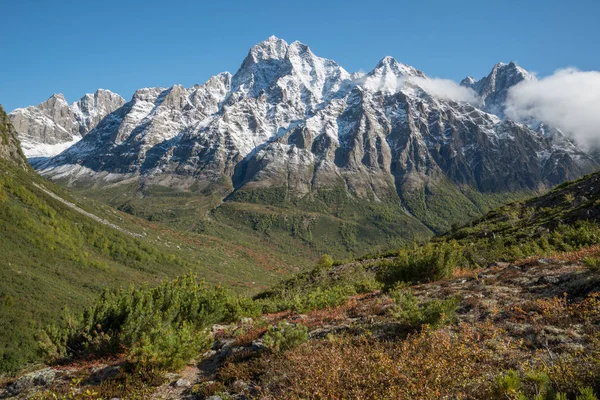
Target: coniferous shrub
x=428, y=262
x=435, y=312
x=161, y=327
x=285, y=336
x=592, y=264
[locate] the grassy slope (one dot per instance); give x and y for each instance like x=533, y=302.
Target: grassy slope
x=301, y=230
x=328, y=221
x=566, y=204
x=442, y=204
x=53, y=256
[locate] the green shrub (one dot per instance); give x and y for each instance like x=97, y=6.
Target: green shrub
x=326, y=261
x=322, y=298
x=586, y=393
x=536, y=385
x=367, y=286
x=435, y=313
x=540, y=381
x=592, y=264
x=238, y=307
x=168, y=348
x=162, y=327
x=428, y=262
x=508, y=385
x=285, y=336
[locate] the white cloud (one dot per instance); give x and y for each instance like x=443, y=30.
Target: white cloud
x=447, y=89
x=569, y=99
x=442, y=88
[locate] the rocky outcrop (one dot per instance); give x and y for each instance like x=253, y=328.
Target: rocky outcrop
x=10, y=148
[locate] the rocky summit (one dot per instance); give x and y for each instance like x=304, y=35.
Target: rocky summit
x=52, y=126
x=291, y=121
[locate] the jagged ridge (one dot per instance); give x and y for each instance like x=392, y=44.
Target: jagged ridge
x=52, y=126
x=289, y=119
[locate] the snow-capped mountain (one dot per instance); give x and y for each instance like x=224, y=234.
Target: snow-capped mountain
x=52, y=126
x=493, y=89
x=289, y=119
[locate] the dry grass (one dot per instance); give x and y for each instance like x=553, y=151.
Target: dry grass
x=428, y=365
x=247, y=338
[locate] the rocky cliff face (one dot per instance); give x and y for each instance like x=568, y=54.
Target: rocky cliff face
x=291, y=120
x=10, y=148
x=493, y=89
x=54, y=125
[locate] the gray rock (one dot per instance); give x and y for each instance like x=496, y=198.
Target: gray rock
x=182, y=383
x=548, y=280
x=39, y=378
x=498, y=265
x=240, y=386
x=169, y=376
x=102, y=373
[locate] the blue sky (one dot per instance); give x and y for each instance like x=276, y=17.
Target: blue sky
x=74, y=47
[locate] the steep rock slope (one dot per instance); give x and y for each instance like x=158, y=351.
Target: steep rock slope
x=52, y=126
x=10, y=149
x=493, y=89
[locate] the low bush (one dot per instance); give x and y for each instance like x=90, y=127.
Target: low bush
x=285, y=336
x=430, y=364
x=161, y=328
x=535, y=385
x=592, y=264
x=434, y=313
x=424, y=263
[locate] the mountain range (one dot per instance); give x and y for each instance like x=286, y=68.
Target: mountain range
x=289, y=125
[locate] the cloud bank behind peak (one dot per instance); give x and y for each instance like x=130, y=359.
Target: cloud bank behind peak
x=569, y=99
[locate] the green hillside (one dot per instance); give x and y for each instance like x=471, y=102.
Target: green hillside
x=331, y=222
x=328, y=221
x=60, y=250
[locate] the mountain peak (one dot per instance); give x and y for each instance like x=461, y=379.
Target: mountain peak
x=272, y=48
x=511, y=69
x=493, y=88
x=389, y=65
x=57, y=97
x=387, y=60
x=469, y=81
x=106, y=91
